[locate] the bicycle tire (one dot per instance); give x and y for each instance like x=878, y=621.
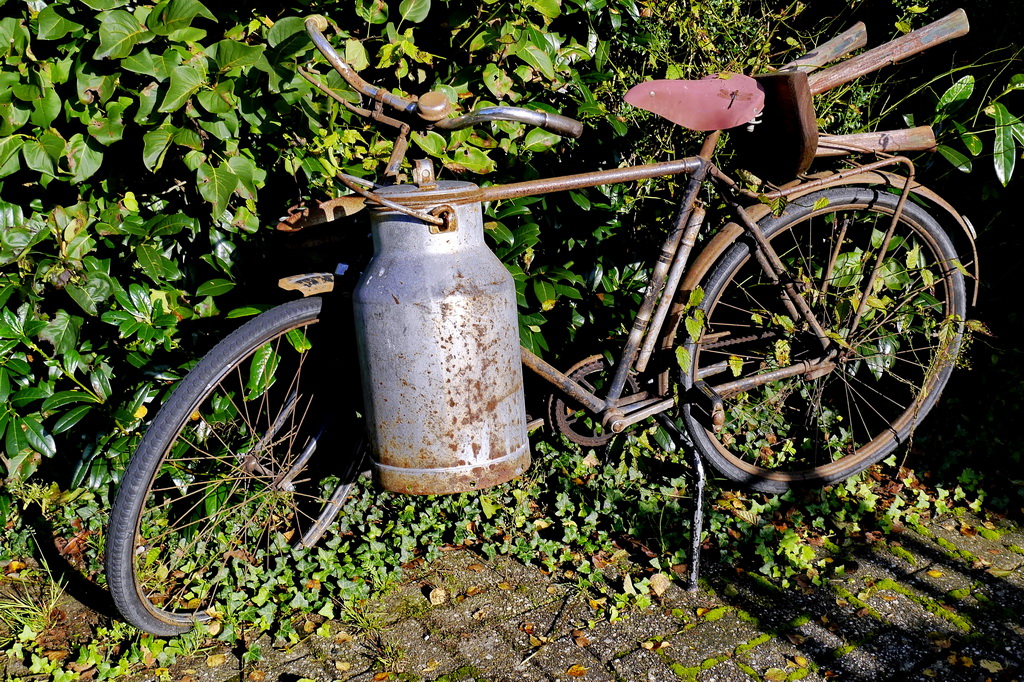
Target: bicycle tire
x=807, y=430
x=207, y=490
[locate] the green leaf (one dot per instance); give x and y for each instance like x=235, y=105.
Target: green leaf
x=63, y=398
x=38, y=437
x=414, y=10
x=953, y=98
x=959, y=161
x=538, y=59
x=148, y=64
x=216, y=185
x=1004, y=151
x=215, y=287
x=9, y=148
x=538, y=140
x=84, y=156
x=545, y=293
x=472, y=159
x=356, y=55
x=53, y=26
x=176, y=15
x=185, y=81
x=549, y=8
x=62, y=332
x=261, y=371
x=683, y=358
x=70, y=418
x=430, y=142
x=372, y=11
x=231, y=54
x=157, y=266
x=41, y=154
x=154, y=146
x=120, y=32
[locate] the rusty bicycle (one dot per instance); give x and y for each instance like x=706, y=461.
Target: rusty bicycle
x=804, y=342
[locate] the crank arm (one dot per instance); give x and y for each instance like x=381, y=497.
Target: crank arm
x=617, y=420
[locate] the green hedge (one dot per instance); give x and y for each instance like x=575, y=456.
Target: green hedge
x=145, y=148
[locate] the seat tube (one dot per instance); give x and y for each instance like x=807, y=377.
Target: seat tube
x=654, y=289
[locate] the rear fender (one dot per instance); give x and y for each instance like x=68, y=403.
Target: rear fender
x=714, y=249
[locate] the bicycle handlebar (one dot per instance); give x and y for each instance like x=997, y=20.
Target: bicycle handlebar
x=555, y=123
x=430, y=107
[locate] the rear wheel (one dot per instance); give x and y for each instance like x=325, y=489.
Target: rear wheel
x=225, y=478
x=852, y=405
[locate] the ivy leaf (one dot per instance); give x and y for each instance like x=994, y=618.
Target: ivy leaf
x=414, y=10
x=53, y=26
x=185, y=81
x=216, y=185
x=120, y=32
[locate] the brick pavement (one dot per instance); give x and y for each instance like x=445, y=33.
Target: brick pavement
x=941, y=602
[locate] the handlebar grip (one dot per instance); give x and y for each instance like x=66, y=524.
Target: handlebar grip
x=318, y=21
x=562, y=125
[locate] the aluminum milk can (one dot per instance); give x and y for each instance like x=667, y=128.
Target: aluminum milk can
x=438, y=338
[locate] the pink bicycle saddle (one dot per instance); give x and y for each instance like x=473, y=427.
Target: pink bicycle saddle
x=716, y=102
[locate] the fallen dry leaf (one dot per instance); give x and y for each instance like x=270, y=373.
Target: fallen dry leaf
x=438, y=596
x=576, y=670
x=257, y=676
x=214, y=627
x=431, y=666
x=991, y=666
x=504, y=586
x=536, y=640
x=479, y=615
x=659, y=583
x=474, y=589
x=476, y=568
x=342, y=665
x=381, y=676
x=216, y=660
x=591, y=461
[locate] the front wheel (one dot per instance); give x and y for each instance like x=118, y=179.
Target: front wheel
x=792, y=413
x=225, y=479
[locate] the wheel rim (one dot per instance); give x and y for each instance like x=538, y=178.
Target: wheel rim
x=232, y=489
x=885, y=377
